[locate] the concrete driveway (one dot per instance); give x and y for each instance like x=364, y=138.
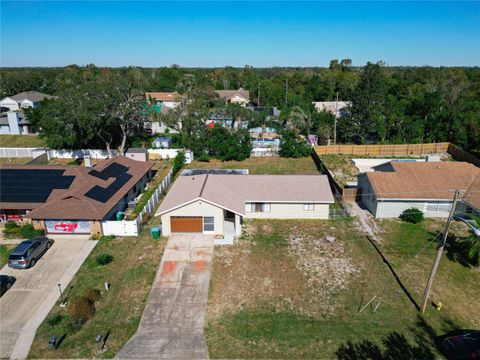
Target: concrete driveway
x=27, y=303
x=172, y=322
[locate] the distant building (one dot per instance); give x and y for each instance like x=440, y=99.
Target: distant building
x=339, y=109
x=14, y=123
x=164, y=99
x=24, y=100
x=138, y=154
x=163, y=142
x=239, y=96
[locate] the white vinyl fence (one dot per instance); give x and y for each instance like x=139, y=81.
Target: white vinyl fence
x=132, y=227
x=79, y=154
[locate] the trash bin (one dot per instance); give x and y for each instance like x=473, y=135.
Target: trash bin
x=119, y=215
x=156, y=232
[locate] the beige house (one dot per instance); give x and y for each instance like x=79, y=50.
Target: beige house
x=337, y=108
x=218, y=203
x=239, y=96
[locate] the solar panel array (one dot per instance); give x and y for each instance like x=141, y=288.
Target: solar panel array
x=117, y=171
x=31, y=185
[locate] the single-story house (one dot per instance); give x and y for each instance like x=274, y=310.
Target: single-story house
x=239, y=96
x=217, y=203
x=339, y=109
x=164, y=99
x=70, y=199
x=427, y=186
x=471, y=198
x=14, y=123
x=24, y=100
x=138, y=154
x=163, y=142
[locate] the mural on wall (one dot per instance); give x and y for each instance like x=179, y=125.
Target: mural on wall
x=67, y=227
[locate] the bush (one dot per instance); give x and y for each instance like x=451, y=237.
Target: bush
x=81, y=308
x=104, y=259
x=92, y=295
x=293, y=146
x=76, y=324
x=27, y=231
x=54, y=320
x=10, y=225
x=178, y=162
x=412, y=215
x=203, y=157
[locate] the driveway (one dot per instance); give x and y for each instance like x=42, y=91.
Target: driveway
x=27, y=303
x=172, y=322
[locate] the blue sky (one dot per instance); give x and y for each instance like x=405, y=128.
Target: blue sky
x=210, y=34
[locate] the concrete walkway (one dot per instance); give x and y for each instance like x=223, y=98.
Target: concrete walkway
x=28, y=302
x=172, y=322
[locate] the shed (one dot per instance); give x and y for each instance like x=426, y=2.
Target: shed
x=163, y=142
x=138, y=154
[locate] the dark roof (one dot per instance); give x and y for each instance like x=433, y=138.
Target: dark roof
x=75, y=192
x=137, y=151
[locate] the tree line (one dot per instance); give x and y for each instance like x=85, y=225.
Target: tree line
x=389, y=104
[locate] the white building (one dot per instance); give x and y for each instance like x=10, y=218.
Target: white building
x=339, y=109
x=24, y=100
x=239, y=96
x=14, y=123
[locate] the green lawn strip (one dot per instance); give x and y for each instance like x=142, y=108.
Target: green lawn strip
x=263, y=165
x=5, y=251
x=131, y=274
x=21, y=141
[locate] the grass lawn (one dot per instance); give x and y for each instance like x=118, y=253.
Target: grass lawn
x=263, y=165
x=131, y=274
x=5, y=251
x=284, y=292
x=14, y=161
x=21, y=141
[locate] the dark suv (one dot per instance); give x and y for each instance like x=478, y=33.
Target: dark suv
x=26, y=254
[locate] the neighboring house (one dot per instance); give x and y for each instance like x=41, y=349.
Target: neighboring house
x=164, y=99
x=339, y=109
x=427, y=186
x=137, y=154
x=14, y=123
x=162, y=142
x=271, y=112
x=71, y=199
x=239, y=96
x=24, y=100
x=218, y=203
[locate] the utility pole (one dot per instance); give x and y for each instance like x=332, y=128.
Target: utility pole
x=258, y=94
x=426, y=293
x=286, y=92
x=335, y=123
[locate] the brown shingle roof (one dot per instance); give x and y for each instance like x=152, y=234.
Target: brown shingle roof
x=71, y=203
x=232, y=191
x=33, y=96
x=163, y=96
x=472, y=195
x=423, y=180
x=227, y=94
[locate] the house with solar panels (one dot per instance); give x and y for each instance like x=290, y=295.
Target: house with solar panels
x=71, y=199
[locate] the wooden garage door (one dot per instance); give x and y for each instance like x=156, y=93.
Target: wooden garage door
x=186, y=224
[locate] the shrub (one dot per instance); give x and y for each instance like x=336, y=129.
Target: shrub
x=293, y=146
x=10, y=225
x=76, y=324
x=178, y=162
x=203, y=157
x=81, y=308
x=27, y=231
x=104, y=259
x=92, y=295
x=54, y=320
x=412, y=215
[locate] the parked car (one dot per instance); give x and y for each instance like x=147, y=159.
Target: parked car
x=6, y=283
x=465, y=346
x=26, y=254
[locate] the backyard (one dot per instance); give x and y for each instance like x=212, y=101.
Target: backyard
x=263, y=165
x=117, y=311
x=284, y=291
x=21, y=141
x=14, y=161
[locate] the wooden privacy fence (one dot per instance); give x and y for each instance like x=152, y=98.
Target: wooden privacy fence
x=384, y=150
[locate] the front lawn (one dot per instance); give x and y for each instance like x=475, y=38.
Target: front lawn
x=118, y=312
x=263, y=165
x=5, y=251
x=21, y=141
x=283, y=291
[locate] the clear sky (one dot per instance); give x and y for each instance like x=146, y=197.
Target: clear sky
x=207, y=34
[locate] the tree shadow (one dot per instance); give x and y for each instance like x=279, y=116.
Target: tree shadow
x=394, y=346
x=457, y=251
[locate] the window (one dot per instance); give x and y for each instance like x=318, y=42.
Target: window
x=208, y=223
x=308, y=207
x=257, y=207
x=469, y=210
x=438, y=207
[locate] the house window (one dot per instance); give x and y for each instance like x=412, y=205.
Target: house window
x=208, y=223
x=438, y=207
x=469, y=210
x=308, y=207
x=257, y=207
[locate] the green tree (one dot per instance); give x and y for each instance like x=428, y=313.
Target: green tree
x=293, y=146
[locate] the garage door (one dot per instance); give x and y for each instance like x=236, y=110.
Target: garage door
x=187, y=224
